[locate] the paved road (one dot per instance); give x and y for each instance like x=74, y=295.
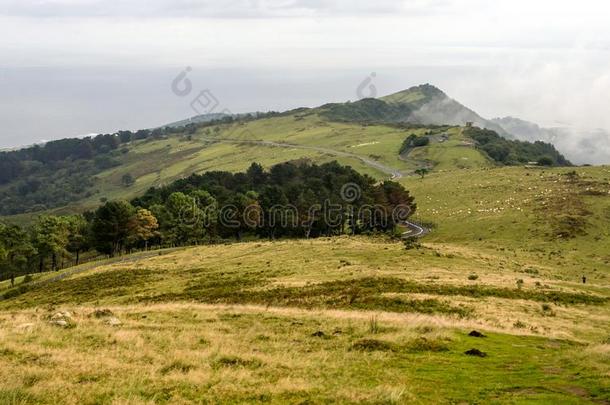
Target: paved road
x=393, y=173
x=415, y=230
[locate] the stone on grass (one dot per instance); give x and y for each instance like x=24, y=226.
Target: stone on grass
x=113, y=321
x=62, y=319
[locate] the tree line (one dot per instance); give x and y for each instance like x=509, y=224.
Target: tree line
x=290, y=200
x=512, y=152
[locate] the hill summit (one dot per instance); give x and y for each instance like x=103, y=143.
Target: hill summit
x=431, y=106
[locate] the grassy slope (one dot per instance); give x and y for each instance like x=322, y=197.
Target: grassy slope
x=522, y=211
x=197, y=323
x=158, y=162
x=235, y=322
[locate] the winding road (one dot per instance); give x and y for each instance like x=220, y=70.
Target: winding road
x=393, y=173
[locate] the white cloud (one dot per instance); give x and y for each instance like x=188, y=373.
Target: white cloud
x=546, y=61
x=215, y=8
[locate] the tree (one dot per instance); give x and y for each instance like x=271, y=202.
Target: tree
x=209, y=210
x=143, y=227
x=125, y=136
x=51, y=236
x=545, y=161
x=421, y=141
x=398, y=204
x=274, y=205
x=78, y=238
x=184, y=219
x=15, y=250
x=309, y=211
x=127, y=180
x=3, y=243
x=247, y=215
x=422, y=171
x=256, y=174
x=111, y=227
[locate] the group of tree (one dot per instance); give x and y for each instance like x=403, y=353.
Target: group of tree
x=61, y=172
x=294, y=199
x=413, y=141
x=291, y=200
x=513, y=152
x=54, y=242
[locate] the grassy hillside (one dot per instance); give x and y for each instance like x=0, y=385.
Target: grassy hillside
x=347, y=319
x=269, y=141
x=559, y=215
x=350, y=319
x=366, y=134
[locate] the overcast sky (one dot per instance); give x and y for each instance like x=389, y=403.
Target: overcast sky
x=71, y=67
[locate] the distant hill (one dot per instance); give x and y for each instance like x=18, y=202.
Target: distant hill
x=429, y=105
x=198, y=119
x=580, y=146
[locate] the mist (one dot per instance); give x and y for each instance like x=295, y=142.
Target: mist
x=83, y=67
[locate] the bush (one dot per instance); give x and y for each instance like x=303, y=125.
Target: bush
x=411, y=243
x=473, y=277
x=234, y=361
x=421, y=141
x=423, y=344
x=371, y=345
x=545, y=161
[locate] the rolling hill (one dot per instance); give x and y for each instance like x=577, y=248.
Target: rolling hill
x=493, y=294
x=489, y=306
x=366, y=134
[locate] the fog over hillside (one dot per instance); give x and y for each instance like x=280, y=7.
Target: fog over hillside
x=579, y=145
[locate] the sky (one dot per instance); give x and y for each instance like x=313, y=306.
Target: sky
x=75, y=67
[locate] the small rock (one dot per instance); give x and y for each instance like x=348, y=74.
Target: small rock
x=61, y=315
x=61, y=322
x=62, y=319
x=113, y=321
x=477, y=334
x=475, y=352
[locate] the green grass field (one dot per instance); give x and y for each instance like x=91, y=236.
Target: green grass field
x=345, y=320
x=349, y=319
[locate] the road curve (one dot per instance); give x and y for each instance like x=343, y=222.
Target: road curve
x=393, y=173
x=415, y=231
